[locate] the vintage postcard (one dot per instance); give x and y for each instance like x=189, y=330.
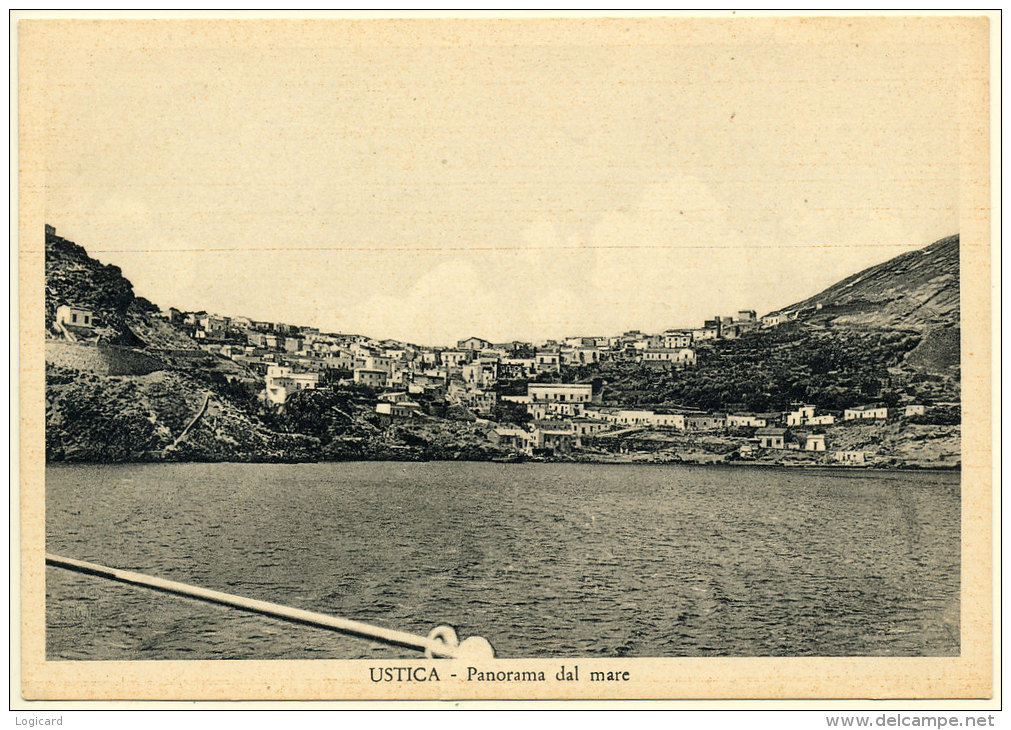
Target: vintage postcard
x=505, y=358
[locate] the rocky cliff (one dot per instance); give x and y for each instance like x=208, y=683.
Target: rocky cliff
x=128, y=396
x=916, y=291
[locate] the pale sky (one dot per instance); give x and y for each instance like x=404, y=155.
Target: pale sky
x=430, y=183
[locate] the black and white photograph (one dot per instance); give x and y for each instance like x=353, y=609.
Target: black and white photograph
x=427, y=345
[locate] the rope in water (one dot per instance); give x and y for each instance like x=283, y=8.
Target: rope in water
x=442, y=642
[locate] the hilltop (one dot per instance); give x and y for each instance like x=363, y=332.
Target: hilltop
x=888, y=333
x=73, y=277
x=127, y=394
x=918, y=290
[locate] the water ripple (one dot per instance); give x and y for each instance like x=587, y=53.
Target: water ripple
x=543, y=560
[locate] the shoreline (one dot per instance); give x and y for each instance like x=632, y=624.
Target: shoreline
x=721, y=465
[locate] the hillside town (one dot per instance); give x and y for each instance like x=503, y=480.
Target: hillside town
x=521, y=395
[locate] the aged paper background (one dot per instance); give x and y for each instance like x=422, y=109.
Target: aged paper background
x=967, y=676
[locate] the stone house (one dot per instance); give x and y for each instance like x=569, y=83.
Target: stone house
x=676, y=339
x=814, y=442
x=455, y=358
x=560, y=392
x=773, y=319
x=668, y=358
x=506, y=437
x=475, y=344
x=800, y=416
x=849, y=457
x=548, y=362
x=704, y=421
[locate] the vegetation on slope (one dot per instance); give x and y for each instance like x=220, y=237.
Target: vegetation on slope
x=771, y=370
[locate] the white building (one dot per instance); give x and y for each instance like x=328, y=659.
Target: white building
x=849, y=457
x=580, y=355
x=800, y=416
x=773, y=319
x=560, y=392
x=282, y=381
x=705, y=333
x=588, y=426
x=865, y=413
x=651, y=419
x=455, y=358
x=402, y=409
x=371, y=378
x=517, y=367
x=825, y=419
x=547, y=410
x=74, y=316
x=676, y=339
x=683, y=357
x=814, y=442
x=481, y=374
x=548, y=362
x=745, y=419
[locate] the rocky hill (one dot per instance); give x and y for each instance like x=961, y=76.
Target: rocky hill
x=73, y=277
x=887, y=334
x=99, y=418
x=145, y=391
x=129, y=395
x=918, y=290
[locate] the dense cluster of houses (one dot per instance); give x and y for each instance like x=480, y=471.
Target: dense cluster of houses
x=568, y=417
x=558, y=417
x=293, y=358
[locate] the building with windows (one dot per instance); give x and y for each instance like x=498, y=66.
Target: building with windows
x=74, y=316
x=663, y=357
x=548, y=362
x=771, y=438
x=865, y=413
x=455, y=358
x=560, y=392
x=814, y=442
x=281, y=381
x=704, y=421
x=399, y=410
x=371, y=378
x=773, y=319
x=748, y=420
x=849, y=457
